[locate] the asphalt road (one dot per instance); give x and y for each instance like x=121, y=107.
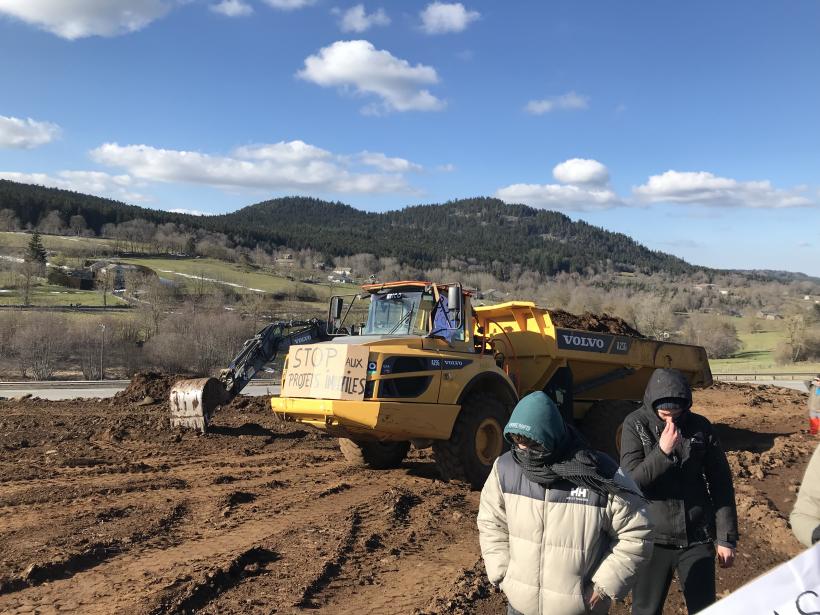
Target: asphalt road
x=75, y=390
x=56, y=392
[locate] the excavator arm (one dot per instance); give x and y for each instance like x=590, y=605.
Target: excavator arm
x=193, y=402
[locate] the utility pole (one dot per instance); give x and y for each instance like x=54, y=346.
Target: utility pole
x=102, y=351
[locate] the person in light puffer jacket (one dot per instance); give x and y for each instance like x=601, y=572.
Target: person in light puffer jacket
x=562, y=530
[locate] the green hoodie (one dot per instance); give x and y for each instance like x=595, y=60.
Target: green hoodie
x=537, y=417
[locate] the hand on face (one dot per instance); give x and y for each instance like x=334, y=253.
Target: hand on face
x=670, y=415
x=670, y=437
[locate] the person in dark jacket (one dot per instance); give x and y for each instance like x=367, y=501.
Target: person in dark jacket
x=676, y=459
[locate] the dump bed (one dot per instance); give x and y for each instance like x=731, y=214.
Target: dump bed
x=604, y=365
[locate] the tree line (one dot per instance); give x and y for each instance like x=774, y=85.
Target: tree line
x=484, y=232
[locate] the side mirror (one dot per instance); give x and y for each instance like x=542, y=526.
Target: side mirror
x=336, y=304
x=454, y=303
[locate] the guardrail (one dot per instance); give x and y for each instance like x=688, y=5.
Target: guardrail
x=96, y=384
x=799, y=376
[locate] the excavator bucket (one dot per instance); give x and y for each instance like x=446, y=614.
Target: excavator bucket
x=193, y=402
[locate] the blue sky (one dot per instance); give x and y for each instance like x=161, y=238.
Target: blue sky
x=692, y=127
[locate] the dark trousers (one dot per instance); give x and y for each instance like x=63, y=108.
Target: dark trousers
x=695, y=566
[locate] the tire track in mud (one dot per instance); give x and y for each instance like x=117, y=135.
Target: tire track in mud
x=92, y=555
x=375, y=556
x=123, y=581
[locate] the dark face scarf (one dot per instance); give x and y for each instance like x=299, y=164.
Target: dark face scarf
x=574, y=462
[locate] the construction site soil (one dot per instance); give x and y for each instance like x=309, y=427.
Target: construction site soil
x=104, y=509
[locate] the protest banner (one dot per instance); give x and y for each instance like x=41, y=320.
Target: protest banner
x=792, y=588
x=326, y=371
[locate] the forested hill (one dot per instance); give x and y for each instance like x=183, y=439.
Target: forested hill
x=483, y=231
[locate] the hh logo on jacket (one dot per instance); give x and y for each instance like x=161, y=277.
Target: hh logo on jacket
x=566, y=493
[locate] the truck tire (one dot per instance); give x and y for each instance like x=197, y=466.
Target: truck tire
x=375, y=455
x=602, y=423
x=476, y=441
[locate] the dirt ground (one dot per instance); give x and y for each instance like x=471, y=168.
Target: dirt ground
x=104, y=509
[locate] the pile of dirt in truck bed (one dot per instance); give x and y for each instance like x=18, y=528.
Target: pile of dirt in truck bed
x=104, y=509
x=149, y=384
x=599, y=323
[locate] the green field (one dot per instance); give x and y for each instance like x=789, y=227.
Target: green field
x=185, y=272
x=16, y=241
x=51, y=295
x=757, y=354
x=295, y=295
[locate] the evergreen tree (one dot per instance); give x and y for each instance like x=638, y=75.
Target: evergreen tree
x=36, y=251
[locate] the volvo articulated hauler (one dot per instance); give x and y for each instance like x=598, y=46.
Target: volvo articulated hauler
x=428, y=368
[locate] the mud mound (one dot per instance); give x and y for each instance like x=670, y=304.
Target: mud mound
x=149, y=384
x=598, y=323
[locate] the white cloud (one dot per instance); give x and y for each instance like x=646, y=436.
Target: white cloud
x=26, y=134
x=559, y=197
x=120, y=187
x=440, y=18
x=289, y=5
x=284, y=152
x=294, y=166
x=703, y=188
x=584, y=186
x=232, y=8
x=190, y=212
x=360, y=66
x=581, y=171
x=356, y=19
x=81, y=18
x=391, y=165
x=446, y=168
x=566, y=102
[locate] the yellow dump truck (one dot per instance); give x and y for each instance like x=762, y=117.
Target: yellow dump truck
x=431, y=369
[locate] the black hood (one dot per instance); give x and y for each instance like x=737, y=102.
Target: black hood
x=666, y=383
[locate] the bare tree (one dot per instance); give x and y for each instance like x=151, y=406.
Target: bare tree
x=40, y=345
x=796, y=335
x=714, y=333
x=77, y=225
x=27, y=272
x=52, y=223
x=197, y=341
x=104, y=282
x=654, y=318
x=9, y=220
x=92, y=341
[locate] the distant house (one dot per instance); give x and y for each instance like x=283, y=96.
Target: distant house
x=118, y=270
x=768, y=315
x=340, y=279
x=80, y=279
x=491, y=294
x=702, y=287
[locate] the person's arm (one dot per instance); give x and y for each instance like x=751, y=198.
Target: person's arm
x=493, y=534
x=644, y=469
x=721, y=489
x=805, y=518
x=630, y=532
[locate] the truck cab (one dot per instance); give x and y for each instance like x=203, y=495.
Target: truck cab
x=420, y=359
